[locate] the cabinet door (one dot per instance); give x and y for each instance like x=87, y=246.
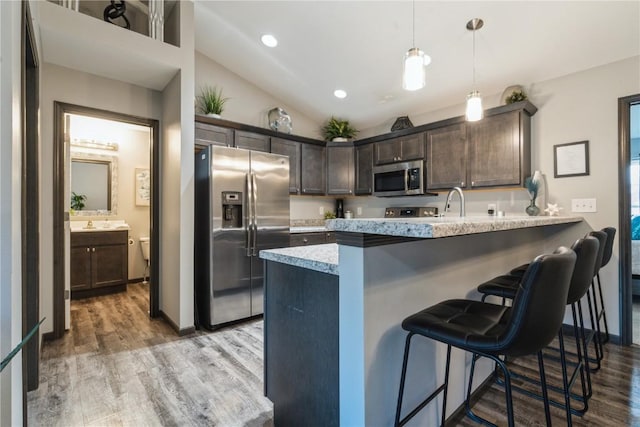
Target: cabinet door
x=340, y=170
x=364, y=169
x=109, y=265
x=494, y=151
x=80, y=268
x=251, y=141
x=291, y=149
x=388, y=151
x=412, y=147
x=446, y=157
x=312, y=169
x=304, y=239
x=207, y=134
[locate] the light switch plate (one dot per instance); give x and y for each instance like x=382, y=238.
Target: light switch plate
x=583, y=205
x=321, y=210
x=359, y=210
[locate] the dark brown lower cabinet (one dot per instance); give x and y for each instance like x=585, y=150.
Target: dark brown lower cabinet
x=99, y=262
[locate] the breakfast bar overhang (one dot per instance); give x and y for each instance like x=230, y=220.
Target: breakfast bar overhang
x=334, y=311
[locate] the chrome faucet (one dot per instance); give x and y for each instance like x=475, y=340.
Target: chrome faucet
x=446, y=204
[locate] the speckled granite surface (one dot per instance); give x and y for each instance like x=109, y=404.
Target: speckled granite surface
x=443, y=227
x=323, y=258
x=306, y=222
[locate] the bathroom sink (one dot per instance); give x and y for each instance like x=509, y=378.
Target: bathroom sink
x=109, y=225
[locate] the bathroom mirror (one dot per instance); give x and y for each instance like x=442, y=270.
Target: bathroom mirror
x=94, y=184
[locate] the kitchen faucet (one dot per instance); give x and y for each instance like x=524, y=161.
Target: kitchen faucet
x=459, y=191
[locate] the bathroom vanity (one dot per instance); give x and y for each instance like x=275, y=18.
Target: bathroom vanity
x=99, y=262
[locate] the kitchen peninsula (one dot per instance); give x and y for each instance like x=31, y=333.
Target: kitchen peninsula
x=333, y=340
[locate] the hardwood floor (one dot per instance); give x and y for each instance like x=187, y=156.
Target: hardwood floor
x=116, y=366
x=615, y=401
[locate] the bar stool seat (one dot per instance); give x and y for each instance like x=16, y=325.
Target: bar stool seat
x=491, y=330
x=505, y=286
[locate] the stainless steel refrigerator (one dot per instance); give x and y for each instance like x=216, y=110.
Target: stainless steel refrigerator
x=241, y=207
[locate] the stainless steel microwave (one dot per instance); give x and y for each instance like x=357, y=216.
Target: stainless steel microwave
x=399, y=179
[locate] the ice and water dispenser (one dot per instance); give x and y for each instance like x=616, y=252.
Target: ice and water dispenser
x=231, y=209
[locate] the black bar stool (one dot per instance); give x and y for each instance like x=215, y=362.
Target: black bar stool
x=606, y=257
x=492, y=330
x=506, y=287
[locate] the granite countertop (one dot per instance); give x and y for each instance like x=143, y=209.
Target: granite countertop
x=323, y=258
x=443, y=226
x=97, y=225
x=308, y=229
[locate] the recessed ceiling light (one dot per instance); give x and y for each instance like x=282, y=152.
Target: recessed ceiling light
x=269, y=40
x=339, y=93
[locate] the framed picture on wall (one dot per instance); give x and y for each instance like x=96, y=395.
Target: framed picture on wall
x=143, y=186
x=571, y=159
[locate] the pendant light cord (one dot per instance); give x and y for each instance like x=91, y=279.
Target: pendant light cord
x=474, y=59
x=413, y=37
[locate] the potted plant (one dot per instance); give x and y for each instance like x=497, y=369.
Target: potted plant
x=77, y=201
x=516, y=96
x=338, y=130
x=210, y=101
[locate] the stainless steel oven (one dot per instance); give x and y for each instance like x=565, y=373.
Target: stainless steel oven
x=399, y=179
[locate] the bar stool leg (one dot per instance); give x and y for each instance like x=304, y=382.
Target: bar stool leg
x=585, y=376
x=446, y=386
x=604, y=313
x=545, y=396
x=403, y=377
x=594, y=333
x=565, y=381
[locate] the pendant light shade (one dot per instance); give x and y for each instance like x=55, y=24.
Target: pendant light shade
x=413, y=76
x=474, y=107
x=474, y=101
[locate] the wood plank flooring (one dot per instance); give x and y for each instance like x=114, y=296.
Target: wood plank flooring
x=116, y=366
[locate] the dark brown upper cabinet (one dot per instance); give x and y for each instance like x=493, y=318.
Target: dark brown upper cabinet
x=313, y=178
x=340, y=169
x=207, y=134
x=292, y=150
x=410, y=147
x=364, y=169
x=252, y=141
x=446, y=157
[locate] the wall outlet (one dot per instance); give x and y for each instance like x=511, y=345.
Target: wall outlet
x=321, y=210
x=359, y=210
x=583, y=205
x=491, y=209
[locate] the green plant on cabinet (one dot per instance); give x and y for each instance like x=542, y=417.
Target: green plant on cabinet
x=338, y=128
x=210, y=100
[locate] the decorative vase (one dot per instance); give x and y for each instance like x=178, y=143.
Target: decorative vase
x=532, y=209
x=339, y=139
x=213, y=115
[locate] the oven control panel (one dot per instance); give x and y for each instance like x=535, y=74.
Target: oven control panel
x=410, y=212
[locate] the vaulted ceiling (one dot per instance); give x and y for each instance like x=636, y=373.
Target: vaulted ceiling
x=358, y=46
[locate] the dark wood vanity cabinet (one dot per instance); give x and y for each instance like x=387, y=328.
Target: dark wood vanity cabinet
x=99, y=262
x=292, y=150
x=403, y=148
x=207, y=134
x=364, y=169
x=312, y=169
x=340, y=171
x=251, y=141
x=446, y=157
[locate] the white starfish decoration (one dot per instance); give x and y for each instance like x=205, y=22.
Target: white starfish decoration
x=553, y=209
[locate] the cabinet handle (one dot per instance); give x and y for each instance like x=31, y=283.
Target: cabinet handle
x=87, y=249
x=305, y=241
x=93, y=249
x=473, y=183
x=462, y=184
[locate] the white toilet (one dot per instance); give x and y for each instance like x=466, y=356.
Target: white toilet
x=144, y=245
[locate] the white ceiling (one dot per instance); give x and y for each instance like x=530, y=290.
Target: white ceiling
x=359, y=45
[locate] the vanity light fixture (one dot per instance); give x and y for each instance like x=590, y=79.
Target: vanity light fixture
x=269, y=40
x=413, y=76
x=339, y=93
x=474, y=101
x=92, y=143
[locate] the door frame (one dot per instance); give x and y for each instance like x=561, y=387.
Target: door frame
x=624, y=224
x=59, y=214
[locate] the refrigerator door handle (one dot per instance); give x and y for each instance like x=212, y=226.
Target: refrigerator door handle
x=254, y=202
x=248, y=217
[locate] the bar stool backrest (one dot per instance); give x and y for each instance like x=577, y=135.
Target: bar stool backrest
x=538, y=308
x=586, y=254
x=608, y=249
x=602, y=239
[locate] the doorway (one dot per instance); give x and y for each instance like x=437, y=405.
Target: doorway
x=70, y=142
x=629, y=217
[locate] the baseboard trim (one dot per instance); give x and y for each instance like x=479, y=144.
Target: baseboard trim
x=180, y=331
x=48, y=336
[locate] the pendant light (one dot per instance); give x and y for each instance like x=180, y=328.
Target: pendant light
x=474, y=101
x=413, y=76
